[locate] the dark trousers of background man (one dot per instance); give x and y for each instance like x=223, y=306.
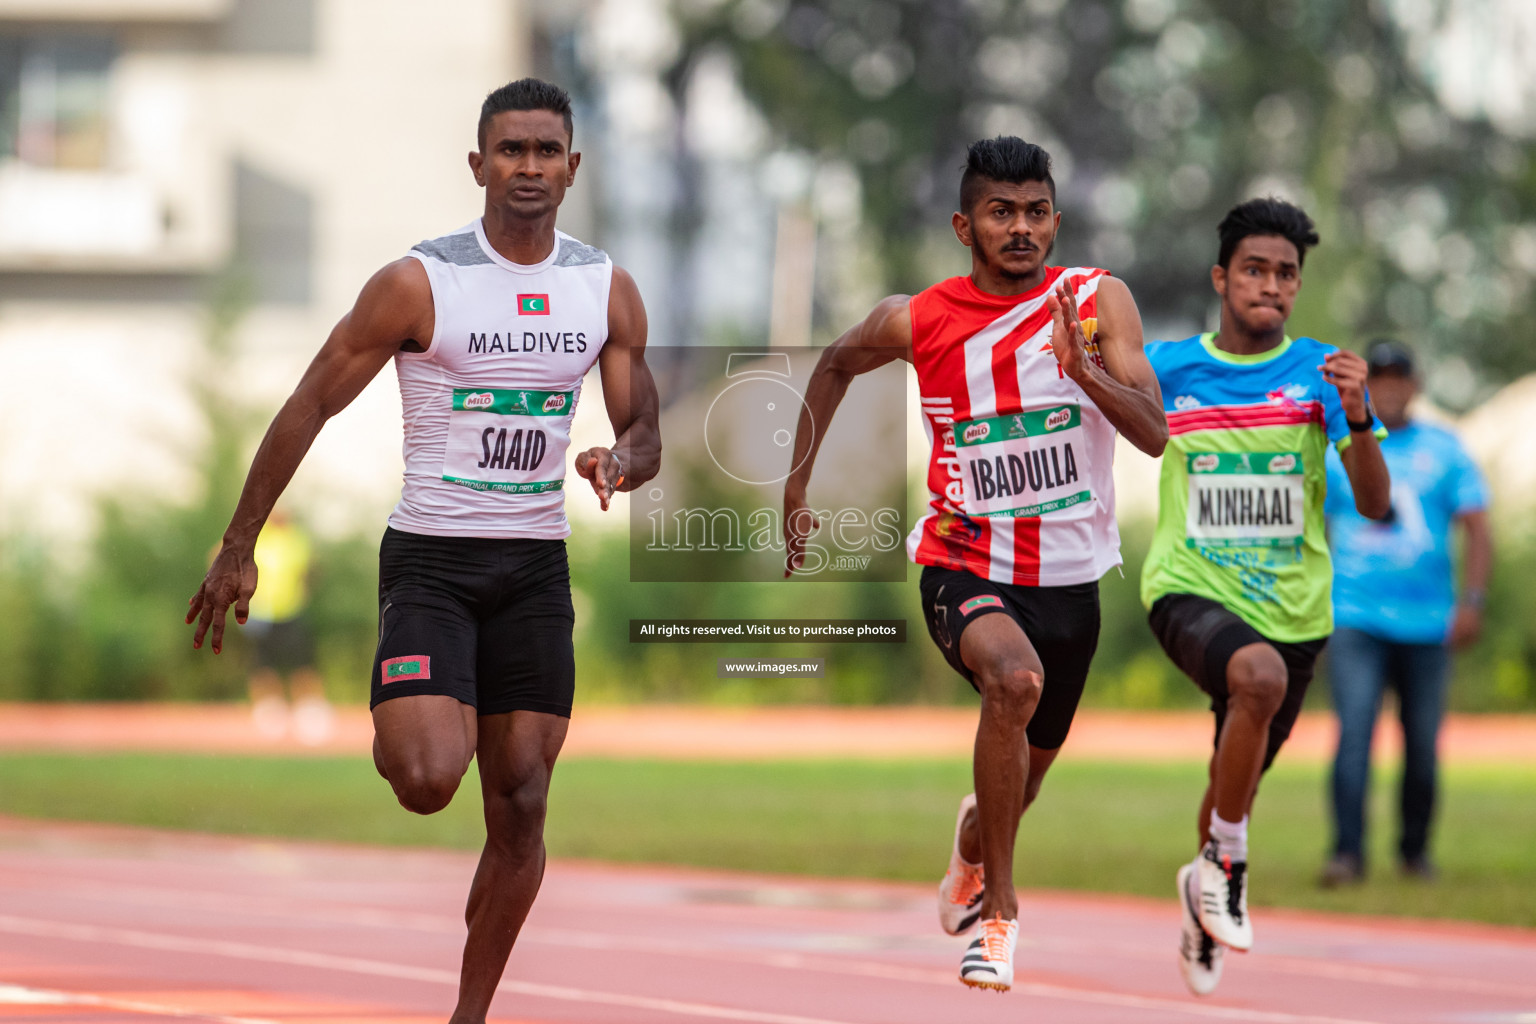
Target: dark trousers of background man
x=1361, y=667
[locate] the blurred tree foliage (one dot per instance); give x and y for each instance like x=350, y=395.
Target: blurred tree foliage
x=1161, y=114
x=106, y=623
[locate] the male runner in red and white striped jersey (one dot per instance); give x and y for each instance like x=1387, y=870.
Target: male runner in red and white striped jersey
x=1026, y=372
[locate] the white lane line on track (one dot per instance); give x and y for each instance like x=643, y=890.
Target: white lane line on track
x=352, y=916
x=358, y=965
x=18, y=995
x=378, y=968
x=1044, y=990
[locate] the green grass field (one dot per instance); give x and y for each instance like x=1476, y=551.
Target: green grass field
x=1103, y=826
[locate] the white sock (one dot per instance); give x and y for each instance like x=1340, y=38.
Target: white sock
x=1231, y=837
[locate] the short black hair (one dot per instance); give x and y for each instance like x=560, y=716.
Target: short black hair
x=1267, y=216
x=1005, y=158
x=525, y=94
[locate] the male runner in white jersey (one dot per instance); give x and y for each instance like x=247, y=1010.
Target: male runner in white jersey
x=1026, y=372
x=492, y=329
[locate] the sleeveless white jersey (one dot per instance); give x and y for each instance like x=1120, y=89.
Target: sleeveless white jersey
x=488, y=405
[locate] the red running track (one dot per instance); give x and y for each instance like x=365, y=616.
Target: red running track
x=104, y=925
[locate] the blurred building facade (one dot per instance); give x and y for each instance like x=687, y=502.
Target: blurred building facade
x=156, y=153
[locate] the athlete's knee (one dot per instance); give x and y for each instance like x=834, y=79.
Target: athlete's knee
x=1257, y=678
x=424, y=789
x=1013, y=687
x=518, y=805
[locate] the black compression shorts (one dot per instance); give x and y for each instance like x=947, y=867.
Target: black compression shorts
x=1062, y=623
x=1201, y=635
x=487, y=622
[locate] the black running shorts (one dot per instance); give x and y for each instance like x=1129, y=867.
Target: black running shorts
x=1062, y=623
x=1201, y=635
x=487, y=622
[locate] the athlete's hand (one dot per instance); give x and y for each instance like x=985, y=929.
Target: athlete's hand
x=231, y=580
x=1067, y=338
x=799, y=523
x=599, y=466
x=1346, y=371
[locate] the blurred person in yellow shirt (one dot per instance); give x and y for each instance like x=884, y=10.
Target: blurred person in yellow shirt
x=281, y=641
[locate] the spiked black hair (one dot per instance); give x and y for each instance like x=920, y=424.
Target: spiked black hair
x=1005, y=158
x=525, y=94
x=1268, y=216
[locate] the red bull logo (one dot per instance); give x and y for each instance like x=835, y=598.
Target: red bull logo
x=480, y=400
x=977, y=432
x=1057, y=419
x=554, y=403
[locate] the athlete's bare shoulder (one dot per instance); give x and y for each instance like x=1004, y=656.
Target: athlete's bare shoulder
x=626, y=311
x=1116, y=289
x=1118, y=316
x=395, y=307
x=889, y=325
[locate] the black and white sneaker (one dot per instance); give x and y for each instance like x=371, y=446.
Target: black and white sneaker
x=988, y=960
x=1199, y=954
x=1223, y=907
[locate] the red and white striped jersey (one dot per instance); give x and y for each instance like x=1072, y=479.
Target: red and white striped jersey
x=1020, y=473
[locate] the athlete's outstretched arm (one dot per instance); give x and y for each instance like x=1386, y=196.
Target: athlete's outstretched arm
x=394, y=307
x=629, y=392
x=884, y=335
x=1125, y=389
x=1362, y=460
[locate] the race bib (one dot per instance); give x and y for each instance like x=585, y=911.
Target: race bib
x=1245, y=500
x=512, y=441
x=1026, y=464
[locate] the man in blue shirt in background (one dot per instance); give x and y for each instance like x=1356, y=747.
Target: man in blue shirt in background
x=1396, y=614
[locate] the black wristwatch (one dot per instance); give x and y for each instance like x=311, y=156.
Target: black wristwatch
x=1356, y=426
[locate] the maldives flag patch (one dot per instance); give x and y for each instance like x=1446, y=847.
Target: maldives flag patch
x=398, y=670
x=533, y=305
x=984, y=601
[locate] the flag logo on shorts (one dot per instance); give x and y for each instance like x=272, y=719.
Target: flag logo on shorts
x=412, y=666
x=533, y=305
x=984, y=601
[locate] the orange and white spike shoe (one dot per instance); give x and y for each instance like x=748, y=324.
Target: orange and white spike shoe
x=964, y=884
x=988, y=960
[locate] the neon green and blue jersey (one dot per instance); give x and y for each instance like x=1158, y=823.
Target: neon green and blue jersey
x=1240, y=502
x=1393, y=579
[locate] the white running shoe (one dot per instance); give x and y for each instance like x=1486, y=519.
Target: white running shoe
x=963, y=886
x=1223, y=907
x=1199, y=954
x=988, y=960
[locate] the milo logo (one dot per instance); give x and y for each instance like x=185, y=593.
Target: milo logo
x=1205, y=463
x=554, y=403
x=1282, y=463
x=976, y=432
x=1059, y=418
x=481, y=400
